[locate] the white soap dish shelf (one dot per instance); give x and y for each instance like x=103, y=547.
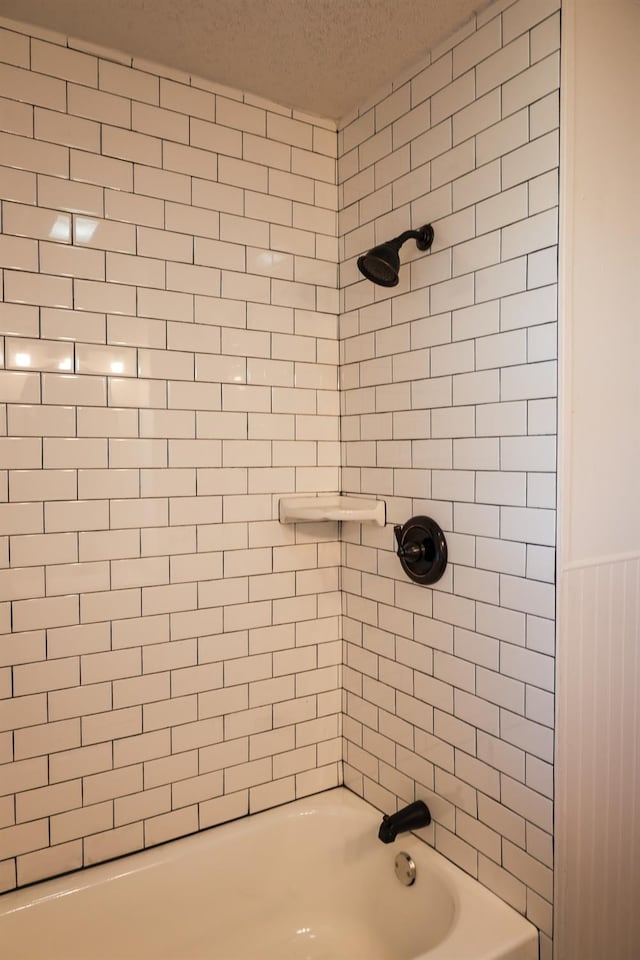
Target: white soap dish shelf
x=334, y=506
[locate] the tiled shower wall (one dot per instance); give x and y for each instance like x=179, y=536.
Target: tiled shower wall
x=449, y=385
x=169, y=653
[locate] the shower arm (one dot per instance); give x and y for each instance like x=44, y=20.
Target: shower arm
x=423, y=238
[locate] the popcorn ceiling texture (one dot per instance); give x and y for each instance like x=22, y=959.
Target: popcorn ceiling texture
x=298, y=52
x=169, y=653
x=175, y=659
x=448, y=386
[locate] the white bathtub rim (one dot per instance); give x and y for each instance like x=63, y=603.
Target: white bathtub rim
x=477, y=910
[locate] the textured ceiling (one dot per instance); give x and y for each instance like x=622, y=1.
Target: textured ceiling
x=321, y=56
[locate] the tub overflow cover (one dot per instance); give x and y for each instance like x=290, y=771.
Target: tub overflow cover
x=405, y=869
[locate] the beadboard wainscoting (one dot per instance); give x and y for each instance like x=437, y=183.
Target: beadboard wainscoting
x=599, y=760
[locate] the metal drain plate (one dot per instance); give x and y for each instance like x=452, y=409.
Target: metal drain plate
x=405, y=869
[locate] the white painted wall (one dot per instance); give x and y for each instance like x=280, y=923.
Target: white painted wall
x=598, y=746
x=601, y=44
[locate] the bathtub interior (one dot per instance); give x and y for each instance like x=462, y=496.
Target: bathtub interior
x=298, y=883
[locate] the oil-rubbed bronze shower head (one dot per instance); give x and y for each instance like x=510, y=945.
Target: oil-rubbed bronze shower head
x=381, y=264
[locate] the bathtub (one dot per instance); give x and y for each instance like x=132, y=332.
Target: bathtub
x=306, y=881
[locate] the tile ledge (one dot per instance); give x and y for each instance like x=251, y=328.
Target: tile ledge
x=333, y=506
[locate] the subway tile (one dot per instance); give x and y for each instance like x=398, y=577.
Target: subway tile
x=477, y=47
x=15, y=48
x=23, y=838
x=48, y=675
x=289, y=131
x=98, y=359
x=48, y=800
x=475, y=254
x=95, y=607
x=532, y=381
x=26, y=485
x=52, y=127
x=28, y=421
x=275, y=210
x=163, y=184
x=128, y=82
x=289, y=185
x=532, y=84
x=79, y=639
x=502, y=883
x=543, y=192
x=38, y=354
x=258, y=434
x=191, y=220
x=167, y=423
x=530, y=234
x=68, y=261
x=98, y=105
x=217, y=196
x=502, y=137
x=528, y=596
x=452, y=98
x=137, y=393
x=41, y=224
x=542, y=267
x=530, y=160
x=32, y=87
x=60, y=62
x=101, y=171
x=146, y=332
x=435, y=77
x=50, y=738
x=185, y=99
x=522, y=16
x=241, y=173
x=273, y=154
x=510, y=60
x=16, y=386
x=79, y=823
x=159, y=122
x=193, y=279
x=76, y=515
x=130, y=208
x=114, y=298
x=103, y=235
x=74, y=324
x=189, y=160
x=477, y=116
x=230, y=113
x=83, y=577
x=544, y=115
x=134, y=270
x=38, y=289
x=20, y=518
x=163, y=244
x=17, y=185
x=68, y=452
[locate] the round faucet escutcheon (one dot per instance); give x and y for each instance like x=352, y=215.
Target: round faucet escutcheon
x=422, y=549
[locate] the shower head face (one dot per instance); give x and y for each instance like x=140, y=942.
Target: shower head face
x=381, y=265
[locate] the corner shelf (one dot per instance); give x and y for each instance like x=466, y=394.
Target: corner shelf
x=334, y=506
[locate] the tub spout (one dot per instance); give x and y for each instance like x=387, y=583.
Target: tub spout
x=413, y=817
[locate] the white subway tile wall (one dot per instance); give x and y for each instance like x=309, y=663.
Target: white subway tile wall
x=448, y=387
x=170, y=655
